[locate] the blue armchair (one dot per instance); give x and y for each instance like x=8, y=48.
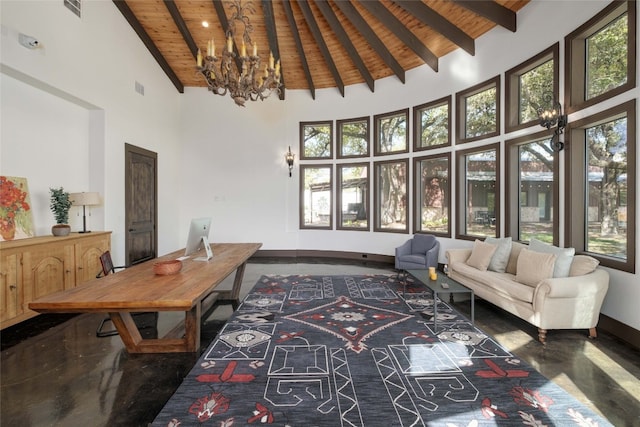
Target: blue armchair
x=418, y=253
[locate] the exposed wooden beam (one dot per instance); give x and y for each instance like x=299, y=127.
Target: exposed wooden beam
x=182, y=26
x=374, y=41
x=272, y=35
x=344, y=39
x=296, y=36
x=150, y=45
x=389, y=20
x=324, y=50
x=224, y=22
x=432, y=19
x=492, y=11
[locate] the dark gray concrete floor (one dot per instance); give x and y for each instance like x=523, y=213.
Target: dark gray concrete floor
x=56, y=372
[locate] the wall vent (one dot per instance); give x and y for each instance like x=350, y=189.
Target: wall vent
x=140, y=88
x=74, y=6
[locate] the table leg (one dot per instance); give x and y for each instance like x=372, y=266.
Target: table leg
x=435, y=312
x=473, y=322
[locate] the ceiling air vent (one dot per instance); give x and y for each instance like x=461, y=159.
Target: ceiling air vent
x=74, y=6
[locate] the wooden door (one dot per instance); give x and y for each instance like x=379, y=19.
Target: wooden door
x=141, y=208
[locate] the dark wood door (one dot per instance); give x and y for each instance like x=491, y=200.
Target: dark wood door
x=141, y=207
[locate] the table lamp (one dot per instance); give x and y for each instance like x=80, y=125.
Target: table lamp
x=84, y=200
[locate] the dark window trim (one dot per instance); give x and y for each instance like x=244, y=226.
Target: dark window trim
x=574, y=69
x=575, y=172
x=376, y=132
x=417, y=123
x=512, y=185
x=339, y=124
x=376, y=197
x=339, y=167
x=461, y=113
x=319, y=122
x=461, y=180
x=512, y=87
x=416, y=188
x=301, y=195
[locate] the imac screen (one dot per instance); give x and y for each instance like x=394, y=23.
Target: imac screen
x=198, y=229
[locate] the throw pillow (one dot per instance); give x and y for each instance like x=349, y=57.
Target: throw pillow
x=583, y=264
x=534, y=267
x=500, y=257
x=564, y=256
x=481, y=255
x=516, y=247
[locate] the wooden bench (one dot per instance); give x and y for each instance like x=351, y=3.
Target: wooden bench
x=138, y=289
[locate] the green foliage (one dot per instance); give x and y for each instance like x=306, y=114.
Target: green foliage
x=60, y=205
x=355, y=138
x=317, y=140
x=607, y=58
x=481, y=113
x=434, y=124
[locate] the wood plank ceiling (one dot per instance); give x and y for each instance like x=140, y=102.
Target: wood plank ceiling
x=322, y=43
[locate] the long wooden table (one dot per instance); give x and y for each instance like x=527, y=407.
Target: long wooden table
x=138, y=289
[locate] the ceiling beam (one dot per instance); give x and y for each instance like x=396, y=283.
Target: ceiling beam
x=324, y=50
x=345, y=41
x=370, y=36
x=296, y=37
x=224, y=22
x=272, y=35
x=150, y=45
x=432, y=19
x=389, y=20
x=182, y=26
x=493, y=11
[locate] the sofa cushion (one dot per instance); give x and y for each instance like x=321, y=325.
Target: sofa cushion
x=583, y=264
x=500, y=257
x=512, y=265
x=502, y=284
x=481, y=255
x=564, y=256
x=534, y=267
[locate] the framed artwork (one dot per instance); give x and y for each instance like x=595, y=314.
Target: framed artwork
x=16, y=217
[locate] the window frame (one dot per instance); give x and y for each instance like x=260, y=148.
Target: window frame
x=417, y=201
x=512, y=86
x=417, y=128
x=376, y=196
x=302, y=144
x=461, y=186
x=575, y=58
x=512, y=186
x=303, y=167
x=339, y=168
x=376, y=132
x=339, y=124
x=461, y=111
x=575, y=173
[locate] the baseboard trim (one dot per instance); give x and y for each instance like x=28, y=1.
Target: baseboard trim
x=620, y=330
x=301, y=255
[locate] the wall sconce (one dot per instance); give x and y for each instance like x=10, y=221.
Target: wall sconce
x=553, y=117
x=289, y=158
x=84, y=200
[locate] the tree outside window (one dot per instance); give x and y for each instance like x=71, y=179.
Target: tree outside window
x=478, y=111
x=391, y=133
x=353, y=137
x=316, y=140
x=353, y=196
x=535, y=170
x=316, y=189
x=433, y=123
x=607, y=58
x=391, y=196
x=433, y=195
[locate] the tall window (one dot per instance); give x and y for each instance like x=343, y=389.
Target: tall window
x=478, y=192
x=353, y=137
x=391, y=196
x=316, y=195
x=600, y=174
x=529, y=86
x=433, y=192
x=478, y=111
x=316, y=140
x=391, y=133
x=433, y=124
x=353, y=196
x=532, y=189
x=601, y=56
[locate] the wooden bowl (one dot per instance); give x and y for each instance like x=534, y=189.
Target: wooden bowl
x=164, y=268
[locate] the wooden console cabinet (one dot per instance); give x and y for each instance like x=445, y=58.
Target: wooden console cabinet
x=34, y=267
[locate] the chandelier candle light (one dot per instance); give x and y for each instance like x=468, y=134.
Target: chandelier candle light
x=246, y=81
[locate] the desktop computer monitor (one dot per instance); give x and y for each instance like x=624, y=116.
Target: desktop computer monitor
x=198, y=229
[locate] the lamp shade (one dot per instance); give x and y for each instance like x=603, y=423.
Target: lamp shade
x=85, y=199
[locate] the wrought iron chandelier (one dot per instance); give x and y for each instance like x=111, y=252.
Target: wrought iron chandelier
x=244, y=81
x=552, y=117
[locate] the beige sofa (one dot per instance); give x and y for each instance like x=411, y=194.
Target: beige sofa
x=571, y=302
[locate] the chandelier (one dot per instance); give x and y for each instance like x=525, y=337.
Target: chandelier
x=244, y=80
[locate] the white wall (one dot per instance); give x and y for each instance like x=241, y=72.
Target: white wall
x=216, y=158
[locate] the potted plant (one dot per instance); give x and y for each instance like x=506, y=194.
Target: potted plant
x=60, y=205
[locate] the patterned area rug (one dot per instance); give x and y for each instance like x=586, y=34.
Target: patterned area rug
x=352, y=351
